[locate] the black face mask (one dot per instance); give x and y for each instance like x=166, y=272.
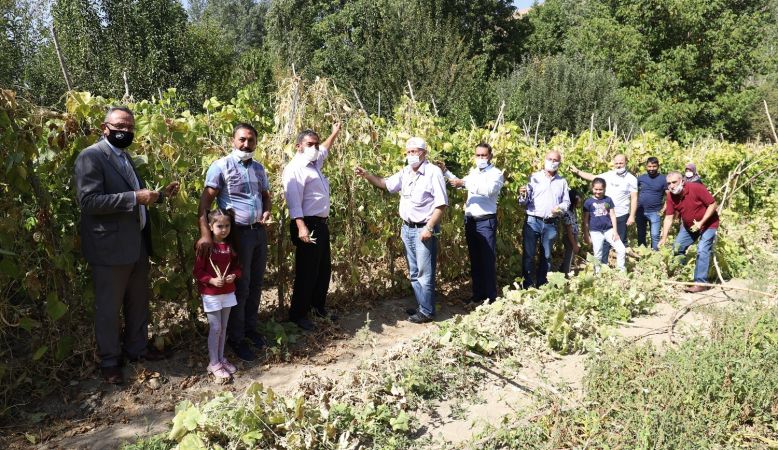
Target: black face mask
x=120, y=139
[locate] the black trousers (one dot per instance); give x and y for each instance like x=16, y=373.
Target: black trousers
x=312, y=268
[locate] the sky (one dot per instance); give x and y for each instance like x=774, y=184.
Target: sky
x=524, y=3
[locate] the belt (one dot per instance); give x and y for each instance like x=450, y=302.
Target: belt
x=253, y=226
x=315, y=219
x=415, y=224
x=549, y=220
x=481, y=218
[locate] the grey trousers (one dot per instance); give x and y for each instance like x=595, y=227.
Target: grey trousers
x=124, y=287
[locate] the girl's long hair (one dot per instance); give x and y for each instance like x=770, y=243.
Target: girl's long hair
x=232, y=238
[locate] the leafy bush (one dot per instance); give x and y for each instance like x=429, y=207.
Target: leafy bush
x=710, y=392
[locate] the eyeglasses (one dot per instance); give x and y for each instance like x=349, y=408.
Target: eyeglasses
x=121, y=126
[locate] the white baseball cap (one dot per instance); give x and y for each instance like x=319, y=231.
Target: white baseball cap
x=416, y=142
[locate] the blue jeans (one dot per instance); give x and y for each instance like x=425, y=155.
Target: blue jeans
x=643, y=218
x=704, y=249
x=482, y=247
x=421, y=257
x=621, y=227
x=534, y=229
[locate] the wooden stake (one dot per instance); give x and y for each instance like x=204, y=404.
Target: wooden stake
x=770, y=119
x=61, y=58
x=410, y=90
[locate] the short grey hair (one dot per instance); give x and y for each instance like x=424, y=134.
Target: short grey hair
x=674, y=172
x=112, y=109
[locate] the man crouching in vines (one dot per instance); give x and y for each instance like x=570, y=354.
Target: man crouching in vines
x=423, y=199
x=699, y=220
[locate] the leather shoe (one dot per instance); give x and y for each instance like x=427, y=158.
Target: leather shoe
x=242, y=350
x=257, y=339
x=112, y=375
x=324, y=314
x=696, y=289
x=419, y=317
x=151, y=354
x=305, y=324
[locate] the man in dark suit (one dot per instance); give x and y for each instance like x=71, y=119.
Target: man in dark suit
x=116, y=242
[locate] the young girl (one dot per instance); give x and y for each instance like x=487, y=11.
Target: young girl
x=599, y=224
x=570, y=236
x=216, y=274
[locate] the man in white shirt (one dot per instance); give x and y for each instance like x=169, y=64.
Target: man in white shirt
x=622, y=187
x=483, y=185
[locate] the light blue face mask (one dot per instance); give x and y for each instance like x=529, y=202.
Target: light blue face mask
x=413, y=160
x=481, y=163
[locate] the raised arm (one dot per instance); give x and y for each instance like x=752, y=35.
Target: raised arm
x=331, y=138
x=372, y=179
x=580, y=173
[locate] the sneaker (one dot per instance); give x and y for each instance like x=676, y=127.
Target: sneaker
x=242, y=350
x=257, y=339
x=410, y=311
x=305, y=324
x=228, y=366
x=218, y=371
x=322, y=313
x=419, y=317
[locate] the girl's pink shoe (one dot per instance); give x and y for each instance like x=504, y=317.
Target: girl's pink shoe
x=228, y=366
x=218, y=371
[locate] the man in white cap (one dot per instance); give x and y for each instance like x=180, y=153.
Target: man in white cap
x=423, y=200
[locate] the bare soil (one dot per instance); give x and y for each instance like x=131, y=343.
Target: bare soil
x=94, y=415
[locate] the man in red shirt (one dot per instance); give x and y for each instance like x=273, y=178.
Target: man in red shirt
x=699, y=220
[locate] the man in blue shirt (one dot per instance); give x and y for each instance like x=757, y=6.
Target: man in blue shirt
x=651, y=192
x=546, y=198
x=240, y=183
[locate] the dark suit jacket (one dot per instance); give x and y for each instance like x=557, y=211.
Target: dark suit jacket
x=110, y=222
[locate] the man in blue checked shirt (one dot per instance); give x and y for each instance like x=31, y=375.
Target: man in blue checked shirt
x=483, y=185
x=546, y=198
x=240, y=183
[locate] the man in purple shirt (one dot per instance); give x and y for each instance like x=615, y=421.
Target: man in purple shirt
x=546, y=198
x=423, y=199
x=307, y=193
x=239, y=183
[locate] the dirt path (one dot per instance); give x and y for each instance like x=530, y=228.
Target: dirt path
x=102, y=416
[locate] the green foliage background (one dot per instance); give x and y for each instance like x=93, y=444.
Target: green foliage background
x=47, y=301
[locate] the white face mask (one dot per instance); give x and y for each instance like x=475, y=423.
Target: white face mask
x=689, y=174
x=621, y=170
x=311, y=153
x=241, y=155
x=481, y=163
x=677, y=189
x=413, y=160
x=551, y=166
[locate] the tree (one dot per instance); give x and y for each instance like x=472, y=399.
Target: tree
x=563, y=93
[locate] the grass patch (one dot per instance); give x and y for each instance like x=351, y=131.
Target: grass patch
x=716, y=392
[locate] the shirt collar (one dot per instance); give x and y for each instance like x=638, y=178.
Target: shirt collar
x=116, y=150
x=420, y=170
